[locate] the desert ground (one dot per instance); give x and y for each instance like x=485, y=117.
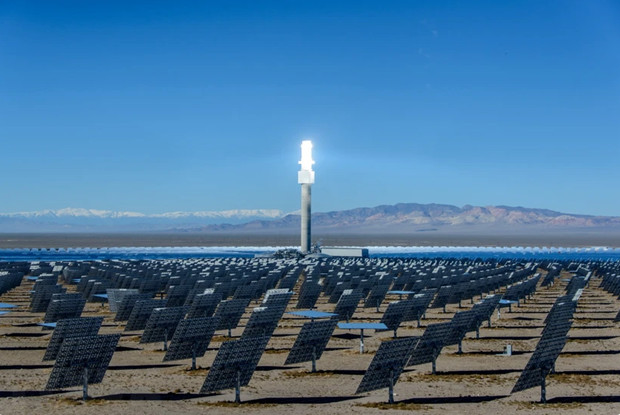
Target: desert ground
x=479, y=381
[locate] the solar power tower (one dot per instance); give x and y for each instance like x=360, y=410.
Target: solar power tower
x=311, y=342
x=162, y=323
x=305, y=177
x=387, y=365
x=82, y=361
x=191, y=339
x=71, y=328
x=234, y=365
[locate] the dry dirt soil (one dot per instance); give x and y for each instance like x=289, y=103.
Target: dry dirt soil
x=479, y=381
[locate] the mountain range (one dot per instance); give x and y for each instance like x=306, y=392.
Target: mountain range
x=400, y=218
x=94, y=220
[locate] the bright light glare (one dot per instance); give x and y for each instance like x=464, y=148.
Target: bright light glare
x=306, y=155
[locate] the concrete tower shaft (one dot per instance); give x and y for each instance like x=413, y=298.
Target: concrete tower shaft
x=305, y=177
x=306, y=217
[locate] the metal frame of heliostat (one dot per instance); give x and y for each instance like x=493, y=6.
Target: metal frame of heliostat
x=311, y=342
x=484, y=310
x=334, y=289
x=82, y=361
x=347, y=304
x=309, y=294
x=42, y=296
x=246, y=292
x=234, y=365
x=401, y=293
x=461, y=323
x=116, y=295
x=361, y=327
x=277, y=299
x=9, y=280
x=162, y=323
x=177, y=295
x=289, y=281
x=68, y=329
x=262, y=322
x=421, y=302
x=229, y=313
x=204, y=304
x=387, y=365
x=128, y=303
x=395, y=313
x=141, y=312
x=376, y=296
x=429, y=347
x=64, y=306
x=562, y=309
x=444, y=296
x=191, y=339
x=543, y=359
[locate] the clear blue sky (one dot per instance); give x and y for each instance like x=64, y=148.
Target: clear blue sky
x=186, y=106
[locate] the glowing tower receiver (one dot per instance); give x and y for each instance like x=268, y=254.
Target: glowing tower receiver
x=305, y=177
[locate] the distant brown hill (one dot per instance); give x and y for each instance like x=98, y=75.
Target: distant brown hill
x=414, y=217
x=402, y=218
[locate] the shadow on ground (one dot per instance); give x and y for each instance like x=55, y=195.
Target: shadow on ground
x=27, y=394
x=20, y=367
x=454, y=399
x=302, y=400
x=152, y=396
x=137, y=367
x=584, y=399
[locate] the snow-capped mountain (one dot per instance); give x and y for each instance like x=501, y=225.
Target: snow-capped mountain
x=96, y=213
x=73, y=212
x=83, y=220
x=386, y=219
